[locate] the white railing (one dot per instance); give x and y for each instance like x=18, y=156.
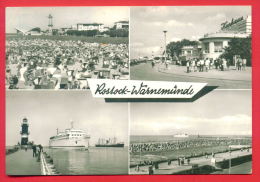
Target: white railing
x=46, y=169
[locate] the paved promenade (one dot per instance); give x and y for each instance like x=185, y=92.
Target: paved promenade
x=164, y=168
x=231, y=79
x=22, y=163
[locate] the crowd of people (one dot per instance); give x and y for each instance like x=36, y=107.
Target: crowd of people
x=185, y=144
x=62, y=64
x=222, y=64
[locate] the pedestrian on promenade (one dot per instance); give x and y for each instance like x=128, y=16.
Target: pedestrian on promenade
x=34, y=150
x=40, y=148
x=188, y=161
x=193, y=64
x=244, y=64
x=137, y=168
x=152, y=64
x=202, y=63
x=207, y=63
x=188, y=66
x=179, y=161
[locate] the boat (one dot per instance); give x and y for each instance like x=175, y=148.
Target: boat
x=111, y=142
x=183, y=135
x=70, y=138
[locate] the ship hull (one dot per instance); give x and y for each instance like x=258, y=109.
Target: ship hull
x=110, y=145
x=69, y=143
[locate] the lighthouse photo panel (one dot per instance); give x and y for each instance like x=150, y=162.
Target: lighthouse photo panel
x=65, y=133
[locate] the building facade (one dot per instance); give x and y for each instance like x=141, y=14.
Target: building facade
x=240, y=25
x=213, y=44
x=122, y=25
x=91, y=26
x=190, y=52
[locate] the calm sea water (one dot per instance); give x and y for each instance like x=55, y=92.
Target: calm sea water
x=95, y=161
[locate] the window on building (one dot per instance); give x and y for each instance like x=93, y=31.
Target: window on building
x=206, y=47
x=218, y=46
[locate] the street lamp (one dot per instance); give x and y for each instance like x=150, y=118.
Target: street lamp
x=229, y=168
x=165, y=44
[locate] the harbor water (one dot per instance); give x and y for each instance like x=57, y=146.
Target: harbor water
x=94, y=161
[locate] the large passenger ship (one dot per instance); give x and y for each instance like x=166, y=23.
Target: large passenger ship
x=182, y=135
x=70, y=138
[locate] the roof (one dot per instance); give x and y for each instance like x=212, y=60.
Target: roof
x=25, y=28
x=223, y=35
x=122, y=22
x=90, y=24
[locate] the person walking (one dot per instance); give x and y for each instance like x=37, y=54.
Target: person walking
x=40, y=148
x=202, y=63
x=188, y=66
x=239, y=64
x=244, y=64
x=34, y=148
x=207, y=63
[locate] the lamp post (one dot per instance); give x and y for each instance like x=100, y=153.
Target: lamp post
x=229, y=169
x=165, y=45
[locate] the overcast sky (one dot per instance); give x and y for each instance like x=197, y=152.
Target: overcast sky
x=221, y=112
x=148, y=23
x=48, y=110
x=63, y=16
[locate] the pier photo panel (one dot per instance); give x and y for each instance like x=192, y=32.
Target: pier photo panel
x=212, y=135
x=210, y=44
x=65, y=133
x=61, y=47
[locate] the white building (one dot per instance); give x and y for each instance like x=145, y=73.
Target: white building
x=190, y=51
x=122, y=25
x=239, y=25
x=28, y=30
x=213, y=44
x=91, y=26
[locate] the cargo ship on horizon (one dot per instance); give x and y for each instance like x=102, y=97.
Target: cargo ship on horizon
x=111, y=142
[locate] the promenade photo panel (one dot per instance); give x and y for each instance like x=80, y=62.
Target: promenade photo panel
x=210, y=44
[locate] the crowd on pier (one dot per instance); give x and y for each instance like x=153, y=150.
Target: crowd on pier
x=62, y=64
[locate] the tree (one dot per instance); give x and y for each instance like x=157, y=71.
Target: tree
x=239, y=46
x=117, y=32
x=174, y=48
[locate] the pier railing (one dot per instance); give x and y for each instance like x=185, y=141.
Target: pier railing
x=46, y=167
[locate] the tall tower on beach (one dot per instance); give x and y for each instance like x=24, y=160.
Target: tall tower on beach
x=50, y=24
x=25, y=132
